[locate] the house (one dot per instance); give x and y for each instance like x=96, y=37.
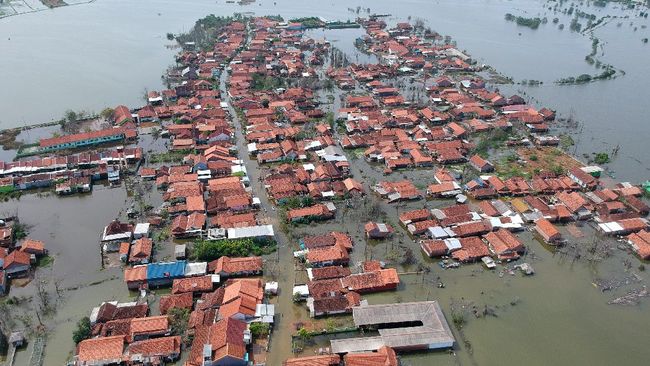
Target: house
x=585, y=181
x=33, y=247
x=148, y=327
x=141, y=251
x=444, y=189
x=397, y=191
x=234, y=267
x=161, y=274
x=472, y=249
x=384, y=356
x=100, y=351
x=640, y=243
x=219, y=344
x=85, y=139
x=548, y=231
x=113, y=310
x=438, y=248
x=336, y=303
x=117, y=231
x=17, y=264
x=193, y=284
x=328, y=272
x=376, y=230
x=323, y=360
x=6, y=235
x=240, y=298
x=156, y=351
x=372, y=281
x=409, y=217
x=188, y=225
x=328, y=256
x=315, y=212
x=504, y=244
x=576, y=204
x=135, y=277
x=480, y=164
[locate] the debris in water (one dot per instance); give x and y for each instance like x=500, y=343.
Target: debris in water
x=526, y=268
x=631, y=298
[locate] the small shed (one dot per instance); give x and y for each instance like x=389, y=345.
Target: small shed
x=141, y=230
x=180, y=251
x=271, y=288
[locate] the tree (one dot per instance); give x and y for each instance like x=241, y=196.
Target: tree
x=106, y=113
x=260, y=330
x=83, y=330
x=178, y=319
x=304, y=334
x=70, y=116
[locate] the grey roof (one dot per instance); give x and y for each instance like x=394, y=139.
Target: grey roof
x=250, y=232
x=433, y=333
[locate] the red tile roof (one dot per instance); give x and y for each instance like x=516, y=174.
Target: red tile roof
x=192, y=284
x=181, y=301
x=233, y=266
x=101, y=350
x=164, y=346
x=81, y=137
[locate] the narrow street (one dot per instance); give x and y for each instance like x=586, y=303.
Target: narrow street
x=279, y=266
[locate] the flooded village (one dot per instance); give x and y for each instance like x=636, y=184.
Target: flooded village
x=281, y=204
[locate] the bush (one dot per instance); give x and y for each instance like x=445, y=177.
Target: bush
x=83, y=330
x=601, y=158
x=260, y=330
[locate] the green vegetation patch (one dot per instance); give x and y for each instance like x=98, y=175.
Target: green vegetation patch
x=207, y=250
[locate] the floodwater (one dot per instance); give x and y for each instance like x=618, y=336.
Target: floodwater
x=107, y=53
x=90, y=56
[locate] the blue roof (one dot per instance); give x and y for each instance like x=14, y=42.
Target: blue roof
x=165, y=270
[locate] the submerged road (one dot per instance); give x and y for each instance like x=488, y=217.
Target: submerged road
x=281, y=262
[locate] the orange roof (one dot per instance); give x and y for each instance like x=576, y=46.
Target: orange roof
x=192, y=284
x=385, y=356
x=149, y=325
x=331, y=253
x=156, y=347
x=195, y=203
x=241, y=296
x=31, y=245
x=547, y=228
x=503, y=241
x=105, y=349
x=81, y=136
x=229, y=265
x=182, y=301
x=16, y=257
x=316, y=210
x=137, y=273
x=141, y=249
x=324, y=360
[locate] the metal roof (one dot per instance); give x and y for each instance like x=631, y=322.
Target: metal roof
x=166, y=270
x=433, y=333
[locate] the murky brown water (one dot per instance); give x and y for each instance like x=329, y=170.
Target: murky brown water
x=558, y=316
